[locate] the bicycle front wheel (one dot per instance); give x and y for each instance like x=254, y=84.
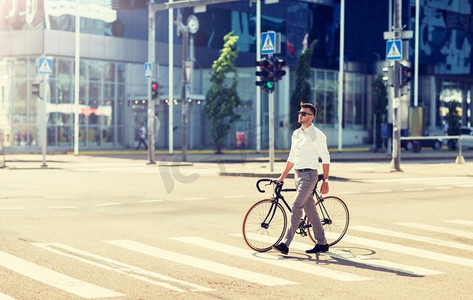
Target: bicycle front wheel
x=334, y=216
x=264, y=225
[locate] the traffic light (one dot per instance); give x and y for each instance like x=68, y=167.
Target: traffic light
x=35, y=90
x=278, y=71
x=266, y=75
x=154, y=90
x=405, y=74
x=388, y=75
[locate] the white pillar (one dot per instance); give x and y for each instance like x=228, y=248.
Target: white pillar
x=171, y=79
x=341, y=73
x=76, y=82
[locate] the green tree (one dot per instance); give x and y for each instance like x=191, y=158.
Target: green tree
x=222, y=97
x=302, y=91
x=380, y=102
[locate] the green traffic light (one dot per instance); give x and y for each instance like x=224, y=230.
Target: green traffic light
x=269, y=85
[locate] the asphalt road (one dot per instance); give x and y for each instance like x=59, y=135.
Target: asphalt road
x=96, y=227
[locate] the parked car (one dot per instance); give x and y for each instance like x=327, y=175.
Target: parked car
x=417, y=145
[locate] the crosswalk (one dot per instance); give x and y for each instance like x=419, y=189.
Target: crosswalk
x=388, y=258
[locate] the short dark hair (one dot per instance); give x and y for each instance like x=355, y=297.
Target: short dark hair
x=309, y=106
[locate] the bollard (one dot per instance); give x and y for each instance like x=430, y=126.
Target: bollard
x=460, y=159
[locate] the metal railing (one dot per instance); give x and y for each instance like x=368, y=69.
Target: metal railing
x=460, y=159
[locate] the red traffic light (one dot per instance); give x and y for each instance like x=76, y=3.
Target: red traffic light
x=154, y=90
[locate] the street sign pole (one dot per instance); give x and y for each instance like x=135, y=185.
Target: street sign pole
x=396, y=153
x=45, y=68
x=271, y=127
x=151, y=101
x=43, y=120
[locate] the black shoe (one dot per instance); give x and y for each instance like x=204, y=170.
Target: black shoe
x=282, y=248
x=318, y=248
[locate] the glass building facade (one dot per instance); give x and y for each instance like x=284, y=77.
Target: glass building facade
x=113, y=90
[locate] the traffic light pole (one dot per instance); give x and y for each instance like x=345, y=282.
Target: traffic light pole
x=43, y=120
x=396, y=153
x=271, y=127
x=151, y=101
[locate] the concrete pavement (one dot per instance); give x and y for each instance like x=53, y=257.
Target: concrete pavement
x=350, y=164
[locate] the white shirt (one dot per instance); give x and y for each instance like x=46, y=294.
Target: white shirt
x=142, y=132
x=306, y=148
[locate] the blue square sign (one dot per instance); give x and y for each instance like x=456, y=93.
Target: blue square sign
x=394, y=50
x=268, y=42
x=45, y=65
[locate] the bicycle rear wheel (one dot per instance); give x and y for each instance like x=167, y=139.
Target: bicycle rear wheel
x=334, y=216
x=264, y=225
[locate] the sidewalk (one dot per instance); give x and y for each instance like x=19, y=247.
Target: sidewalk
x=350, y=164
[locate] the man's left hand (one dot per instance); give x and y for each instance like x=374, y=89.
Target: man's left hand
x=324, y=189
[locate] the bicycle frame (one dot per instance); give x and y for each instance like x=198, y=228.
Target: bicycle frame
x=265, y=222
x=302, y=225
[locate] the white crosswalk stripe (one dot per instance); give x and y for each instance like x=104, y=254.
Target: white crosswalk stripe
x=412, y=237
x=116, y=266
x=365, y=260
x=307, y=265
x=408, y=250
x=66, y=283
x=201, y=263
x=272, y=260
x=462, y=222
x=462, y=233
x=5, y=297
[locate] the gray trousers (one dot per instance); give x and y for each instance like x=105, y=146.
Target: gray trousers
x=305, y=183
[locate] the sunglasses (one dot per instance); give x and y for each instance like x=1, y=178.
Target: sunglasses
x=303, y=113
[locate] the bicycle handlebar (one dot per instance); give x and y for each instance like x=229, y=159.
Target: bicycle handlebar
x=265, y=180
x=279, y=185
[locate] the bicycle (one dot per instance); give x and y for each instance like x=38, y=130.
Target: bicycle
x=265, y=222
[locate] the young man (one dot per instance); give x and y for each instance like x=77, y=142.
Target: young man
x=307, y=145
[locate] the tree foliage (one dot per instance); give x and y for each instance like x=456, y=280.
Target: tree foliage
x=222, y=97
x=302, y=91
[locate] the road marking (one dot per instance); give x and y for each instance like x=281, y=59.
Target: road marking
x=462, y=222
x=194, y=198
x=150, y=201
x=108, y=204
x=412, y=237
x=12, y=208
x=408, y=250
x=432, y=180
x=61, y=207
x=380, y=191
x=272, y=260
x=371, y=261
x=234, y=197
x=5, y=297
x=116, y=266
x=201, y=263
x=442, y=187
x=348, y=193
x=63, y=282
x=414, y=190
x=462, y=233
x=365, y=260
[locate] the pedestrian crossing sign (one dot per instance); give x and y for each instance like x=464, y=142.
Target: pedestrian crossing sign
x=148, y=70
x=394, y=50
x=45, y=65
x=268, y=42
